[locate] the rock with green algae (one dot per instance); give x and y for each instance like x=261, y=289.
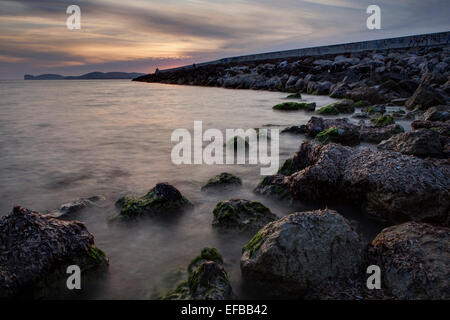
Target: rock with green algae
x=162, y=199
x=297, y=95
x=292, y=255
x=328, y=110
x=222, y=180
x=383, y=121
x=36, y=250
x=242, y=215
x=346, y=136
x=207, y=279
x=361, y=104
x=276, y=186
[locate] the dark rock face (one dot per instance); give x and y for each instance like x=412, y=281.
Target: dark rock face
x=242, y=215
x=223, y=180
x=35, y=248
x=294, y=254
x=374, y=134
x=370, y=94
x=425, y=97
x=443, y=128
x=207, y=279
x=421, y=143
x=439, y=113
x=162, y=199
x=388, y=185
x=345, y=106
x=414, y=259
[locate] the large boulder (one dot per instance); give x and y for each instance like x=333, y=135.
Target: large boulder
x=387, y=185
x=292, y=255
x=242, y=215
x=36, y=249
x=162, y=199
x=414, y=259
x=207, y=279
x=376, y=134
x=420, y=143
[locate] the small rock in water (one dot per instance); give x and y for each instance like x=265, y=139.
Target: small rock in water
x=207, y=279
x=162, y=199
x=241, y=215
x=223, y=180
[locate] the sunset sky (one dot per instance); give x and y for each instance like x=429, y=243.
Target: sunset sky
x=140, y=35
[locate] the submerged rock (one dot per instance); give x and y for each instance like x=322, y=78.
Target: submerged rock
x=292, y=255
x=388, y=185
x=291, y=106
x=420, y=143
x=162, y=199
x=207, y=279
x=242, y=215
x=36, y=249
x=75, y=206
x=414, y=259
x=222, y=180
x=328, y=110
x=297, y=95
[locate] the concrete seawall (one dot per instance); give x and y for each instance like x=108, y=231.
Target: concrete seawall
x=425, y=40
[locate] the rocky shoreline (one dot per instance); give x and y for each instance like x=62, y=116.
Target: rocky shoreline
x=403, y=180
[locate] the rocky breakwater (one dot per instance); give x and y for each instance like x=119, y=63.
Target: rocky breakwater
x=36, y=249
x=417, y=78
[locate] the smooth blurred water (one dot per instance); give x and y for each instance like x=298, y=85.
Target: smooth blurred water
x=62, y=140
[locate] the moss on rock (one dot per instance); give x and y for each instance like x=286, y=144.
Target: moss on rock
x=163, y=198
x=383, y=121
x=241, y=215
x=328, y=110
x=222, y=180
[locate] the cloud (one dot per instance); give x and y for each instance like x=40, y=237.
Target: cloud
x=117, y=35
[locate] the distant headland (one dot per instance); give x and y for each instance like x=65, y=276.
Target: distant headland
x=87, y=76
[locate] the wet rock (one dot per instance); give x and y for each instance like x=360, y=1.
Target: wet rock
x=376, y=109
x=414, y=259
x=328, y=110
x=425, y=97
x=382, y=121
x=274, y=186
x=223, y=180
x=207, y=279
x=242, y=215
x=345, y=106
x=438, y=113
x=370, y=134
x=420, y=143
x=443, y=128
x=295, y=129
x=339, y=90
x=292, y=255
x=361, y=104
x=36, y=249
x=387, y=185
x=297, y=95
x=374, y=134
x=366, y=93
x=163, y=199
x=346, y=136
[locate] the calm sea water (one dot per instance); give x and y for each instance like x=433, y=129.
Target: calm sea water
x=62, y=140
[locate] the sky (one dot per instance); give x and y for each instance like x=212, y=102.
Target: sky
x=140, y=35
